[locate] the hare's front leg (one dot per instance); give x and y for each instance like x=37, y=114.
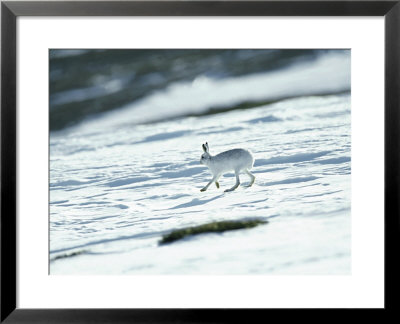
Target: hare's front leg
x=208, y=184
x=236, y=184
x=216, y=181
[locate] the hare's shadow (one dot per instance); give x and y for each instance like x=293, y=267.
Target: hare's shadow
x=197, y=202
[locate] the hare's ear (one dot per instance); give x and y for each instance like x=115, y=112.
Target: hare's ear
x=204, y=148
x=207, y=147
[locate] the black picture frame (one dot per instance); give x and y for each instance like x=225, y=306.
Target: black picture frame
x=10, y=10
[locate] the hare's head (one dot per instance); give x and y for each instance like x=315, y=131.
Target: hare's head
x=205, y=157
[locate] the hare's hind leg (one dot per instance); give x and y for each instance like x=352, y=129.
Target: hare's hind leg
x=252, y=177
x=236, y=184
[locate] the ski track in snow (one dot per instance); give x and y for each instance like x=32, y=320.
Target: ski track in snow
x=115, y=192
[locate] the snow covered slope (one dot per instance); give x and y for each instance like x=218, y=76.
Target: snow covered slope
x=114, y=193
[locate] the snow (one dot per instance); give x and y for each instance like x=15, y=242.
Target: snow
x=330, y=73
x=117, y=186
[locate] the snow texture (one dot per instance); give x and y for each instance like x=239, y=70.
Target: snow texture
x=117, y=184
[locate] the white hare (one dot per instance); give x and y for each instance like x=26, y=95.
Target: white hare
x=233, y=160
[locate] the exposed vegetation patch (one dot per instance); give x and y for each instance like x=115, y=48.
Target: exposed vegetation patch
x=213, y=227
x=68, y=255
x=243, y=106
